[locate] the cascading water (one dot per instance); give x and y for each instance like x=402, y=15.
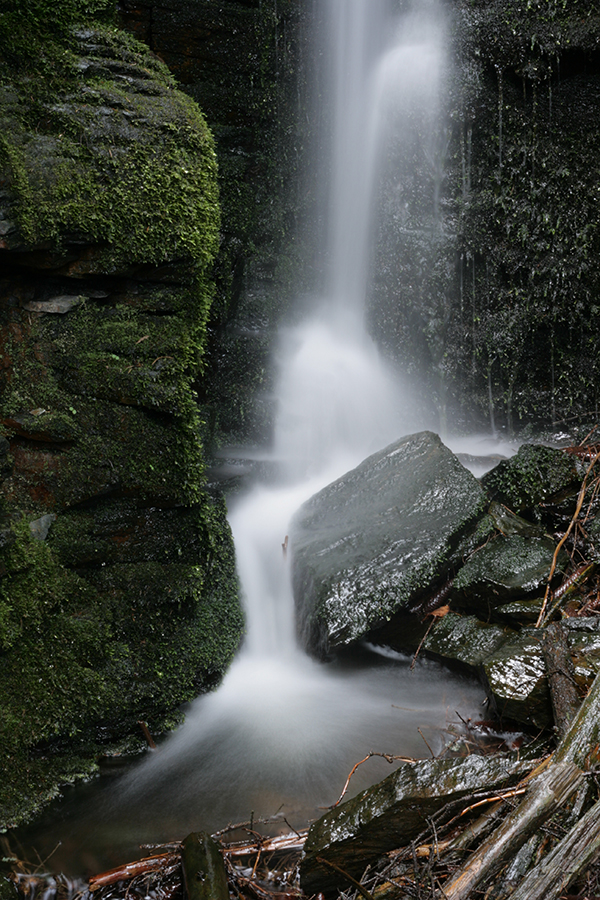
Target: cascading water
x=282, y=732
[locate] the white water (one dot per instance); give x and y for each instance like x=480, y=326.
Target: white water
x=282, y=732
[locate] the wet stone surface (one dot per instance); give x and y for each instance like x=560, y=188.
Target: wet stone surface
x=465, y=639
x=535, y=474
x=507, y=567
x=392, y=813
x=515, y=675
x=372, y=542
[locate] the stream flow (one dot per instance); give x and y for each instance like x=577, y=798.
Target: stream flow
x=282, y=732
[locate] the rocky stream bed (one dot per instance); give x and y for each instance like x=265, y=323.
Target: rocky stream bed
x=497, y=576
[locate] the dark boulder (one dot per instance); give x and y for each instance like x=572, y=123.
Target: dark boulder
x=534, y=475
x=506, y=568
x=372, y=542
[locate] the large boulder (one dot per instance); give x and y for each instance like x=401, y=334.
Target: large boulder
x=118, y=595
x=372, y=542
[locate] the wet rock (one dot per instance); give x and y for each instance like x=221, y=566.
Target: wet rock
x=392, y=813
x=507, y=567
x=508, y=523
x=584, y=645
x=203, y=868
x=515, y=679
x=61, y=304
x=534, y=475
x=372, y=542
x=520, y=612
x=465, y=639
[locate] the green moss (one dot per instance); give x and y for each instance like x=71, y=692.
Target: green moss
x=104, y=647
x=534, y=475
x=132, y=170
x=129, y=607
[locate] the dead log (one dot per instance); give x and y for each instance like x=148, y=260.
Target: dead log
x=581, y=744
x=547, y=793
x=578, y=749
x=570, y=858
x=561, y=677
x=132, y=870
x=204, y=872
x=277, y=844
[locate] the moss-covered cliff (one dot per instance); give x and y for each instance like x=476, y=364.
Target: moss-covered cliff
x=118, y=597
x=244, y=62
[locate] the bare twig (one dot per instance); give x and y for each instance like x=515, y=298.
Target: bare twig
x=359, y=887
x=580, y=499
x=423, y=639
x=426, y=743
x=371, y=753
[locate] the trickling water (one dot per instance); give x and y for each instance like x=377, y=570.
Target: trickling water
x=282, y=732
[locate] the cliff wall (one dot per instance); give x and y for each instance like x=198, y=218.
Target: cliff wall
x=118, y=595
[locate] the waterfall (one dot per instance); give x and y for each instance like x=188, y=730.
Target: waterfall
x=282, y=732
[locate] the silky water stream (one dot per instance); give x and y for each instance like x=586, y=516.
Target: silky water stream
x=282, y=732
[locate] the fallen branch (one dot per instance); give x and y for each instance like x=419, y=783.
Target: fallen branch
x=359, y=887
x=132, y=870
x=581, y=743
x=371, y=753
x=268, y=845
x=580, y=499
x=547, y=794
x=561, y=677
x=570, y=857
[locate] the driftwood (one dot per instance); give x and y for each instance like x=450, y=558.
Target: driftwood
x=275, y=844
x=570, y=857
x=158, y=863
x=578, y=749
x=561, y=677
x=547, y=793
x=581, y=744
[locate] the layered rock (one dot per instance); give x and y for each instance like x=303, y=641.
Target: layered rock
x=118, y=598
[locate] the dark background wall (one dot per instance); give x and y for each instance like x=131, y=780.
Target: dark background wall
x=488, y=294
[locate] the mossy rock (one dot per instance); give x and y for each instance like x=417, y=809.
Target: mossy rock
x=536, y=474
x=126, y=605
x=504, y=569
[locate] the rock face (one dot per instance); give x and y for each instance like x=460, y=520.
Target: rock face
x=118, y=597
x=482, y=279
x=372, y=542
x=239, y=59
